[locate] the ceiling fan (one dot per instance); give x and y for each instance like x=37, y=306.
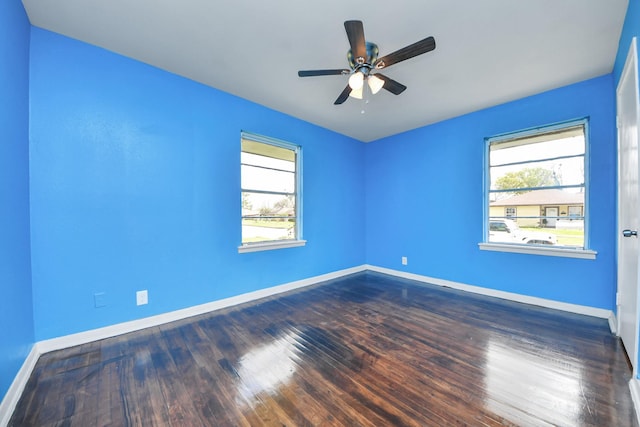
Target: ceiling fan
x=365, y=65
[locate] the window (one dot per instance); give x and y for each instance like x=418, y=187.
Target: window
x=575, y=212
x=498, y=226
x=536, y=182
x=270, y=190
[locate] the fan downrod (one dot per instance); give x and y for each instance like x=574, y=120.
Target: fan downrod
x=372, y=56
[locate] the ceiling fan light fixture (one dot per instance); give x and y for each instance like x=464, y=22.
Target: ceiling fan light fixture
x=364, y=63
x=356, y=81
x=356, y=93
x=375, y=84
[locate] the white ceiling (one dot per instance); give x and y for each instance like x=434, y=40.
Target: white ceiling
x=488, y=52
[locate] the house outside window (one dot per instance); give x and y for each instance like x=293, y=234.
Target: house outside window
x=537, y=180
x=270, y=193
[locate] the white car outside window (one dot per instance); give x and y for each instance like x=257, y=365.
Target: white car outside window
x=507, y=231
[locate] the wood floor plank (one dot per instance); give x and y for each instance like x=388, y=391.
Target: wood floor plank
x=304, y=389
x=391, y=375
x=309, y=379
x=364, y=350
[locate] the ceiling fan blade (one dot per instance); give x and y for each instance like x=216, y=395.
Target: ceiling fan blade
x=343, y=96
x=355, y=34
x=391, y=85
x=407, y=52
x=313, y=73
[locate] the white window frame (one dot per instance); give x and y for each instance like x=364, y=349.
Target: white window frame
x=277, y=244
x=585, y=252
x=511, y=215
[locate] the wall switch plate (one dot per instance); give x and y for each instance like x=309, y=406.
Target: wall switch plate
x=100, y=299
x=142, y=297
x=404, y=260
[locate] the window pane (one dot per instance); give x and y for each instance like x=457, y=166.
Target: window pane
x=267, y=162
x=267, y=205
x=566, y=171
x=258, y=178
x=267, y=150
x=265, y=230
x=522, y=150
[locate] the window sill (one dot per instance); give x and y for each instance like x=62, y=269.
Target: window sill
x=539, y=250
x=269, y=246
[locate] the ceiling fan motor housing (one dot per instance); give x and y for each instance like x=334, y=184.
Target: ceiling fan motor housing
x=372, y=56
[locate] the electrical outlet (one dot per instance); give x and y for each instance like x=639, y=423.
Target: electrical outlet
x=100, y=299
x=404, y=260
x=142, y=297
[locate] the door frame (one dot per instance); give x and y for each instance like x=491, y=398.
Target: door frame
x=630, y=66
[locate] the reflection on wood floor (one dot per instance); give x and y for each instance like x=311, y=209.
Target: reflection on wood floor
x=365, y=350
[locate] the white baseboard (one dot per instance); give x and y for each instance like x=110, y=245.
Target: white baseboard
x=10, y=399
x=634, y=386
x=541, y=302
x=613, y=323
x=135, y=325
x=13, y=394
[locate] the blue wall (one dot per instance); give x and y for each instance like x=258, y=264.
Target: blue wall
x=135, y=184
x=425, y=200
x=16, y=309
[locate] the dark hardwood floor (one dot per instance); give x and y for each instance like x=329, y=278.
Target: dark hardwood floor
x=365, y=350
